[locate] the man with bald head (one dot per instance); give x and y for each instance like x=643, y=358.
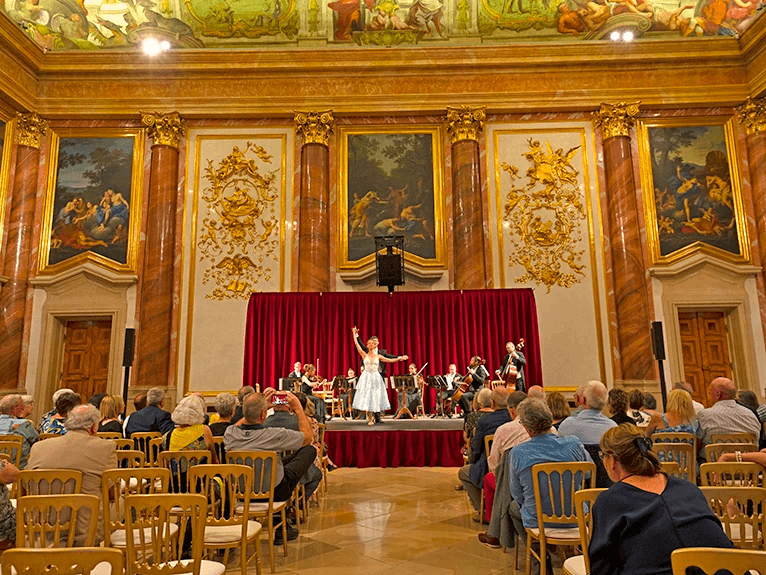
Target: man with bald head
x=536, y=392
x=726, y=415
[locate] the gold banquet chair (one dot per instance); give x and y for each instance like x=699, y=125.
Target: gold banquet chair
x=49, y=482
x=571, y=477
x=488, y=441
x=11, y=446
x=583, y=500
x=731, y=474
x=130, y=458
x=154, y=549
x=109, y=435
x=79, y=561
x=737, y=437
x=51, y=520
x=713, y=451
x=224, y=486
x=179, y=463
x=678, y=447
x=141, y=442
x=711, y=561
x=741, y=513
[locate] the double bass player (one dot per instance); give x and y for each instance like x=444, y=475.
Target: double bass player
x=513, y=359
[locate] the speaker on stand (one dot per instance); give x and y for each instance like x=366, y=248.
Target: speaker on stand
x=389, y=265
x=127, y=362
x=658, y=349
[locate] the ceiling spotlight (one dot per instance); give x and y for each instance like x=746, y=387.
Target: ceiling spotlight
x=615, y=36
x=151, y=47
x=165, y=45
x=627, y=36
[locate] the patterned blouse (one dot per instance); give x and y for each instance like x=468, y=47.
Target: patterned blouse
x=7, y=512
x=54, y=425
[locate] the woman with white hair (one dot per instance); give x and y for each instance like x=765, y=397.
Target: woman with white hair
x=191, y=431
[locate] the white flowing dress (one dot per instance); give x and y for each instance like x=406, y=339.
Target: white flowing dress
x=371, y=393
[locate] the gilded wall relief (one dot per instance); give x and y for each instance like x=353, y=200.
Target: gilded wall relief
x=240, y=229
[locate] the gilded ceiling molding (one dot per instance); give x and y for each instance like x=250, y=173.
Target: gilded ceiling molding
x=616, y=119
x=465, y=123
x=164, y=129
x=752, y=115
x=30, y=128
x=315, y=127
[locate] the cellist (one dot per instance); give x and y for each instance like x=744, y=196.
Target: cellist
x=472, y=382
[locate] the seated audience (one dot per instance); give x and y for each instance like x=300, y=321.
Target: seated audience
x=95, y=399
x=252, y=435
x=542, y=447
x=152, y=417
x=56, y=394
x=243, y=392
x=559, y=407
x=591, y=424
x=690, y=390
x=111, y=408
x=11, y=408
x=618, y=406
x=472, y=475
x=646, y=515
x=79, y=449
x=225, y=404
x=64, y=404
x=482, y=405
x=8, y=475
x=679, y=417
x=578, y=401
x=636, y=403
x=536, y=391
x=190, y=432
x=758, y=457
x=748, y=399
x=650, y=404
x=726, y=415
x=139, y=402
x=29, y=406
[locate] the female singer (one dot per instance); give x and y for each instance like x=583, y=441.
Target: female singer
x=371, y=395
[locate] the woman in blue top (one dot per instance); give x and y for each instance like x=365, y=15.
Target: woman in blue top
x=679, y=416
x=646, y=515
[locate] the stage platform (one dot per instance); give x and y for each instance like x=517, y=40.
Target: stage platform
x=421, y=442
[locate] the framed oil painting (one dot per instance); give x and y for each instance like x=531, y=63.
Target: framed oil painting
x=390, y=183
x=692, y=196
x=93, y=199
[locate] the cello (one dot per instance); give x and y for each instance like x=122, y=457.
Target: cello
x=465, y=383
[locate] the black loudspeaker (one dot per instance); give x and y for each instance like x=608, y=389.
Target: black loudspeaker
x=658, y=342
x=130, y=344
x=390, y=272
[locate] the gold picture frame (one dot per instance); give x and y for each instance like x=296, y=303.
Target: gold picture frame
x=691, y=189
x=424, y=226
x=87, y=223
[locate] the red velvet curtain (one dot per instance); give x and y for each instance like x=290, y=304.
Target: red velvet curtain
x=438, y=327
x=395, y=448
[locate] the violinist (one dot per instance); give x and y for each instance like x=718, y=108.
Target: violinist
x=309, y=382
x=517, y=361
x=475, y=377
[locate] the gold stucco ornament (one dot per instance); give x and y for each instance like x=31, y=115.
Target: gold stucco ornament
x=164, y=129
x=616, y=119
x=315, y=127
x=30, y=129
x=465, y=123
x=752, y=115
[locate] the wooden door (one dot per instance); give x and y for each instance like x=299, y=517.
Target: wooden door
x=705, y=350
x=86, y=357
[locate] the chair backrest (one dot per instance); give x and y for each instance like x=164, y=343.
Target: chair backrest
x=680, y=451
x=44, y=436
x=584, y=499
x=153, y=451
x=488, y=440
x=671, y=468
x=742, y=474
x=12, y=448
x=739, y=511
x=667, y=437
x=153, y=541
x=124, y=443
x=321, y=436
x=117, y=484
x=602, y=477
x=558, y=482
x=179, y=462
x=80, y=561
x=141, y=440
x=128, y=458
x=109, y=435
x=264, y=465
x=50, y=520
x=736, y=561
x=224, y=486
x=714, y=450
x=738, y=437
x=49, y=481
x=220, y=451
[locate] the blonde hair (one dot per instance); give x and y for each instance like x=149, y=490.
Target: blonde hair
x=111, y=406
x=680, y=403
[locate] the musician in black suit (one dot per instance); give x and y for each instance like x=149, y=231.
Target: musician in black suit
x=382, y=364
x=519, y=361
x=478, y=374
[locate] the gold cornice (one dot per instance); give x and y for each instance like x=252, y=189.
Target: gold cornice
x=315, y=127
x=752, y=115
x=21, y=46
x=615, y=119
x=164, y=129
x=465, y=122
x=30, y=129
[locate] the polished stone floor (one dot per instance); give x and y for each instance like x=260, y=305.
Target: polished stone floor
x=400, y=521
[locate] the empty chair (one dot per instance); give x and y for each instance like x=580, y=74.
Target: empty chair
x=129, y=458
x=141, y=441
x=737, y=561
x=737, y=437
x=124, y=443
x=178, y=463
x=56, y=520
x=49, y=482
x=109, y=435
x=741, y=512
x=80, y=561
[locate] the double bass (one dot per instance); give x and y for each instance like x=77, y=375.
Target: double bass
x=510, y=373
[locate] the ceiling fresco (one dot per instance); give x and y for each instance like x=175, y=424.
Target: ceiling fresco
x=117, y=24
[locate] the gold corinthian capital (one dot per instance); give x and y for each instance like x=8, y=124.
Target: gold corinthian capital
x=616, y=119
x=465, y=123
x=315, y=127
x=164, y=129
x=30, y=128
x=752, y=115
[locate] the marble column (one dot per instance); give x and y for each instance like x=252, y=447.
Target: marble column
x=635, y=361
x=314, y=228
x=16, y=260
x=464, y=124
x=156, y=297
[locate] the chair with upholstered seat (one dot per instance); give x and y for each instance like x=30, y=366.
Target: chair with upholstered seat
x=262, y=504
x=713, y=451
x=153, y=548
x=224, y=486
x=49, y=482
x=50, y=520
x=584, y=499
x=731, y=474
x=568, y=477
x=179, y=462
x=741, y=513
x=711, y=561
x=79, y=561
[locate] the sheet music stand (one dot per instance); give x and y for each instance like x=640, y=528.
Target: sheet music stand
x=440, y=384
x=340, y=384
x=402, y=383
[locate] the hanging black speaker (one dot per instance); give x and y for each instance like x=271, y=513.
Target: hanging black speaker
x=658, y=342
x=129, y=349
x=390, y=272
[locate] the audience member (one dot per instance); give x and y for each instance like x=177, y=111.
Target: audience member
x=46, y=416
x=139, y=402
x=748, y=399
x=11, y=407
x=243, y=392
x=152, y=417
x=578, y=401
x=650, y=404
x=758, y=457
x=111, y=408
x=542, y=447
x=252, y=435
x=509, y=434
x=690, y=390
x=191, y=432
x=645, y=515
x=678, y=418
x=64, y=404
x=536, y=391
x=636, y=403
x=559, y=407
x=591, y=424
x=8, y=475
x=726, y=415
x=81, y=450
x=95, y=399
x=618, y=406
x=482, y=405
x=29, y=406
x=225, y=404
x=472, y=475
